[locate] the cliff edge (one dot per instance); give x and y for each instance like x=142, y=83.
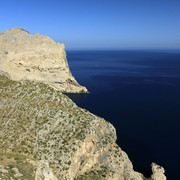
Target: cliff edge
x=36, y=57
x=45, y=136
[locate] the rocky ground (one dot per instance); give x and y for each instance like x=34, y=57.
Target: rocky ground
x=43, y=134
x=62, y=140
x=14, y=167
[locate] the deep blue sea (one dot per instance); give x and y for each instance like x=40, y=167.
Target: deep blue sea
x=139, y=93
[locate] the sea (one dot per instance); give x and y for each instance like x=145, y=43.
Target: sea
x=138, y=91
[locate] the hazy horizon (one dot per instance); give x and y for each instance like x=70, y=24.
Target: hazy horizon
x=114, y=24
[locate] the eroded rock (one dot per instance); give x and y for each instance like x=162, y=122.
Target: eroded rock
x=44, y=172
x=158, y=172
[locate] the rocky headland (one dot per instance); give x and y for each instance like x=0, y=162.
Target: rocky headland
x=44, y=135
x=36, y=57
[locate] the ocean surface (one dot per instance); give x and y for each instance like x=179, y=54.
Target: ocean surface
x=139, y=93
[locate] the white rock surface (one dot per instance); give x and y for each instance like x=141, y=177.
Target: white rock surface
x=2, y=170
x=36, y=57
x=158, y=172
x=17, y=173
x=44, y=172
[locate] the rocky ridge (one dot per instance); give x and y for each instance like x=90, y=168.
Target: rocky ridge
x=57, y=139
x=43, y=134
x=36, y=57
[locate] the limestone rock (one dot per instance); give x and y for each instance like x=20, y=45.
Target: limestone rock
x=67, y=142
x=44, y=172
x=2, y=170
x=36, y=57
x=158, y=172
x=17, y=173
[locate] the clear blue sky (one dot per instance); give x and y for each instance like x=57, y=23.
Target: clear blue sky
x=98, y=24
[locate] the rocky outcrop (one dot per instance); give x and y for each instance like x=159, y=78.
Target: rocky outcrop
x=158, y=172
x=62, y=140
x=44, y=172
x=36, y=57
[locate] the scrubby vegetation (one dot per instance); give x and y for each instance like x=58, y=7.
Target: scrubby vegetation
x=96, y=173
x=42, y=123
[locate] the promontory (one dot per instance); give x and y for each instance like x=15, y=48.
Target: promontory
x=44, y=135
x=36, y=57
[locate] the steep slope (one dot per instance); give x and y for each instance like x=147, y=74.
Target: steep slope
x=57, y=139
x=43, y=134
x=36, y=57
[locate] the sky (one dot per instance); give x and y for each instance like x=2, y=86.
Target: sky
x=98, y=24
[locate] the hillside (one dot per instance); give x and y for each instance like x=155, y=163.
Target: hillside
x=44, y=135
x=56, y=138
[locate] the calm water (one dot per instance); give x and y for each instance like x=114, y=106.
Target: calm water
x=139, y=93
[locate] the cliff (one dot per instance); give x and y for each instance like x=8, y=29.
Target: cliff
x=44, y=135
x=36, y=57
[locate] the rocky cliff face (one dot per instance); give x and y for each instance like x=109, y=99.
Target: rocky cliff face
x=36, y=57
x=45, y=136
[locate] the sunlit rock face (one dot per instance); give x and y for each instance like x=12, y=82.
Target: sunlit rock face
x=36, y=57
x=158, y=172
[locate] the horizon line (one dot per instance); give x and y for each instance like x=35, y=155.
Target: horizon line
x=121, y=49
